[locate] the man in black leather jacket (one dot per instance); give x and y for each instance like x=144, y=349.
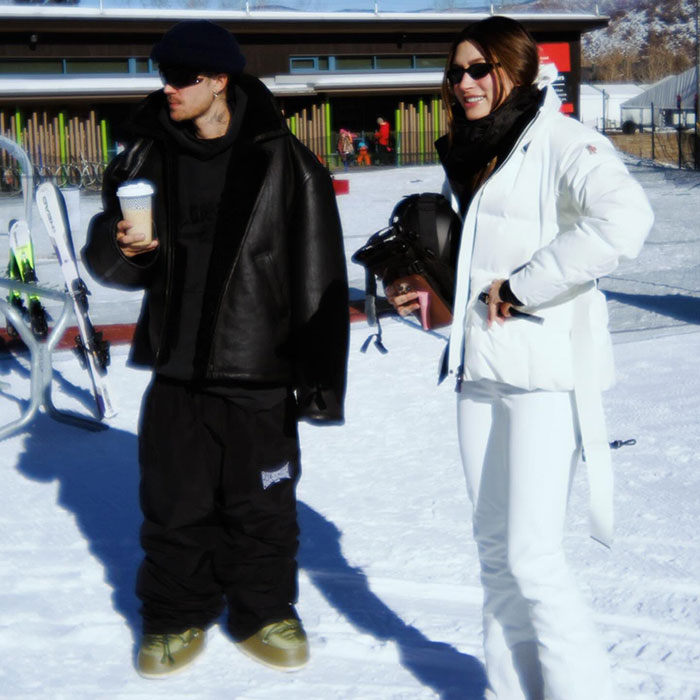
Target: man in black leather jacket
x=245, y=323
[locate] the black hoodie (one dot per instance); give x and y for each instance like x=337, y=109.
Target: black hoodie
x=200, y=167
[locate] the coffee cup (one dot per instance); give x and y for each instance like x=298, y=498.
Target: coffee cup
x=136, y=201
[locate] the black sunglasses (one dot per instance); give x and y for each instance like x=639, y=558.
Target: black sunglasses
x=476, y=71
x=180, y=77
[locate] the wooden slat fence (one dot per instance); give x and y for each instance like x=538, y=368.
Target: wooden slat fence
x=54, y=139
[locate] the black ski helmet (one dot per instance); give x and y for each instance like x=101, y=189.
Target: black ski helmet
x=429, y=219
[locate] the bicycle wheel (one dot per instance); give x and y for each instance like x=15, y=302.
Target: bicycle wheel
x=60, y=176
x=74, y=175
x=87, y=176
x=99, y=175
x=43, y=173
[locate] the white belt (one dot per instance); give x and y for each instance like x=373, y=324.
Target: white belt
x=594, y=437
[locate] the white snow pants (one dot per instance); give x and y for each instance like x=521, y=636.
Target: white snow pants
x=519, y=450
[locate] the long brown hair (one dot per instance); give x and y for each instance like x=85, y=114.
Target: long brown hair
x=501, y=40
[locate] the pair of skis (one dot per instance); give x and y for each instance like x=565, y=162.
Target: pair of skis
x=91, y=347
x=21, y=267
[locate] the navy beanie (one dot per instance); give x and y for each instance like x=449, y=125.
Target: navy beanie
x=201, y=45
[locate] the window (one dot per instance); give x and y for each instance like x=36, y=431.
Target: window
x=75, y=66
x=10, y=67
x=394, y=62
x=430, y=62
x=299, y=65
x=397, y=62
x=354, y=63
x=97, y=66
x=141, y=65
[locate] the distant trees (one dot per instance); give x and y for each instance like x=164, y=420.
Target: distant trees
x=645, y=41
x=625, y=65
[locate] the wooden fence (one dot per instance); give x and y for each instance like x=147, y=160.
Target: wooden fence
x=416, y=127
x=54, y=139
x=311, y=125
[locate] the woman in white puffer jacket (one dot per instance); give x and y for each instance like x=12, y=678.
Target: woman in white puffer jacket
x=548, y=207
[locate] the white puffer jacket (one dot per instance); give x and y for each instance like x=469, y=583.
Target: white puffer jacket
x=560, y=211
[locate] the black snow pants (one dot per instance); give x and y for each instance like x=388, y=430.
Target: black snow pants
x=218, y=483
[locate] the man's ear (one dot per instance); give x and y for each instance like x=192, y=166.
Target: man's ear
x=220, y=82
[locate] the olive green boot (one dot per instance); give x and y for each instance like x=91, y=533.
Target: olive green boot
x=279, y=645
x=162, y=655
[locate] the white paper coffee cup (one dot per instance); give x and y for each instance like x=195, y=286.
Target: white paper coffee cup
x=136, y=202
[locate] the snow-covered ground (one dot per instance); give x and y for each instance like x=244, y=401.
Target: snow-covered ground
x=389, y=583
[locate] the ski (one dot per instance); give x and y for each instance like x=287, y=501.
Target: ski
x=22, y=267
x=14, y=298
x=91, y=346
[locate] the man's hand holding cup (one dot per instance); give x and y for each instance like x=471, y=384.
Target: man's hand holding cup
x=135, y=230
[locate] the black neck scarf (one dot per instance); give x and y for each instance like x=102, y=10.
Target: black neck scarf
x=477, y=142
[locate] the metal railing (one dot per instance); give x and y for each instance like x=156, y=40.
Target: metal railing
x=339, y=6
x=82, y=174
x=41, y=359
x=666, y=135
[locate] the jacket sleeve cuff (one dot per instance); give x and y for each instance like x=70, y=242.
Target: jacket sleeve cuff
x=320, y=407
x=506, y=294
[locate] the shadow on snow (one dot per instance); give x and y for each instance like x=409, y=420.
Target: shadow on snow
x=98, y=482
x=678, y=306
x=452, y=674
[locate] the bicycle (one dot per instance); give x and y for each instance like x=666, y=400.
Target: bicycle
x=43, y=173
x=85, y=174
x=68, y=175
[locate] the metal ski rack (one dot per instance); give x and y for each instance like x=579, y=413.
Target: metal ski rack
x=41, y=363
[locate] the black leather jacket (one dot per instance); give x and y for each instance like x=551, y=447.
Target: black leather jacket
x=276, y=301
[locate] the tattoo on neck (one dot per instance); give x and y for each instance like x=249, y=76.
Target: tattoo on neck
x=217, y=122
x=220, y=117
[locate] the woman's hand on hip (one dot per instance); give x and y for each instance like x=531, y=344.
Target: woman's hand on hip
x=498, y=310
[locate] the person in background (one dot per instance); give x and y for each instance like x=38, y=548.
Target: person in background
x=346, y=149
x=382, y=143
x=245, y=324
x=548, y=207
x=363, y=153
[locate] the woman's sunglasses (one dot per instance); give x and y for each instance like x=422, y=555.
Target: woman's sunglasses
x=180, y=77
x=476, y=71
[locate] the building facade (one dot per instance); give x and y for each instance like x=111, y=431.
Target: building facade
x=69, y=74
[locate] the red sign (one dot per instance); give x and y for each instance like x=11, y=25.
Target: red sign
x=559, y=53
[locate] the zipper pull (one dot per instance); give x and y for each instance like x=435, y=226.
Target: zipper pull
x=460, y=379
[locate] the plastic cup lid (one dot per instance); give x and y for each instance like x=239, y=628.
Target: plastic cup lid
x=136, y=188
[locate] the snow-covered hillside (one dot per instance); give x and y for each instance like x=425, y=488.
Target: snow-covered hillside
x=639, y=29
x=635, y=25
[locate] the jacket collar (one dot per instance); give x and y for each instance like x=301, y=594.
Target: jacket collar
x=551, y=104
x=259, y=121
x=546, y=77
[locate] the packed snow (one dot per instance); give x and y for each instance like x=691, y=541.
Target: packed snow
x=389, y=579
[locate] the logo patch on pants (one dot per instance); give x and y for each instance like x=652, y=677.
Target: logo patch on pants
x=274, y=477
